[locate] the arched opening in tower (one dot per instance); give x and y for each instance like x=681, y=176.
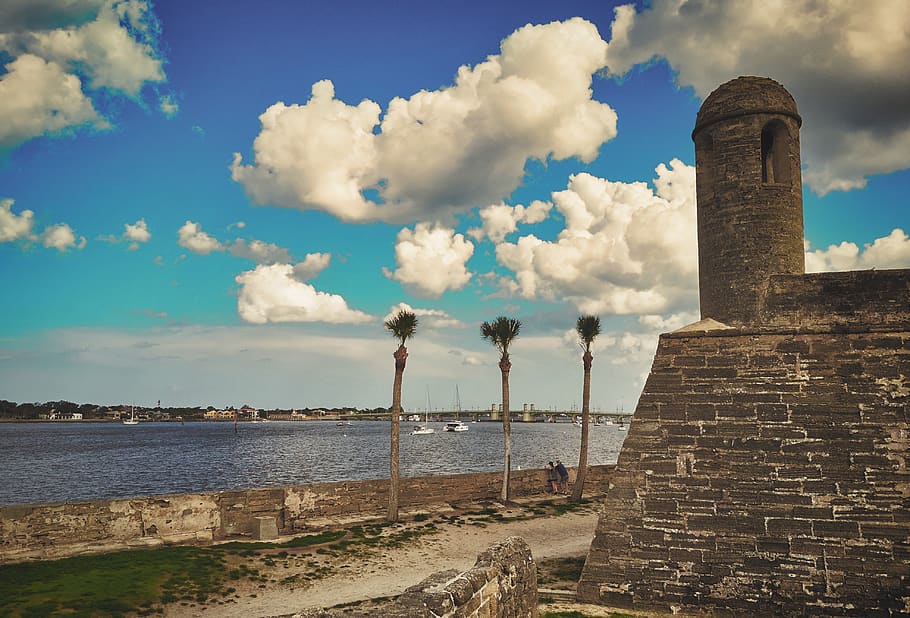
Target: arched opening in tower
x=775, y=153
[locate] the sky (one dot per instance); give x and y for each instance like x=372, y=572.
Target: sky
x=219, y=203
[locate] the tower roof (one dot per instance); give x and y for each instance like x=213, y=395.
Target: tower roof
x=745, y=96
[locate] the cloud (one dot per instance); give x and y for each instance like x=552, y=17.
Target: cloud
x=190, y=236
x=499, y=220
x=112, y=50
x=60, y=48
x=625, y=249
x=168, y=106
x=37, y=98
x=311, y=266
x=19, y=15
x=431, y=260
x=20, y=227
x=427, y=318
x=272, y=294
x=133, y=234
x=138, y=232
x=12, y=226
x=438, y=152
x=260, y=252
x=844, y=62
x=891, y=251
x=61, y=237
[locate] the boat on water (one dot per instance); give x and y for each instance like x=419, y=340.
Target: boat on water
x=132, y=420
x=456, y=426
x=344, y=423
x=425, y=429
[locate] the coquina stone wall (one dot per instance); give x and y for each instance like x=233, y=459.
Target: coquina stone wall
x=43, y=531
x=765, y=473
x=866, y=300
x=501, y=584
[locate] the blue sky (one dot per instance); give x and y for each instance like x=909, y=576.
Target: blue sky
x=219, y=202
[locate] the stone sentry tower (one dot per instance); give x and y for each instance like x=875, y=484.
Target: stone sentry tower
x=750, y=207
x=766, y=471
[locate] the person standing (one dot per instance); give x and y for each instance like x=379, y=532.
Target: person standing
x=563, y=477
x=552, y=477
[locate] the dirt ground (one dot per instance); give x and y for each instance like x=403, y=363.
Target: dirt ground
x=371, y=562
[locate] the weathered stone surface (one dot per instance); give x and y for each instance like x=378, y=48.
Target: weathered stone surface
x=779, y=501
x=501, y=584
x=34, y=532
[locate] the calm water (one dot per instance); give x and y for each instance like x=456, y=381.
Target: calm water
x=59, y=462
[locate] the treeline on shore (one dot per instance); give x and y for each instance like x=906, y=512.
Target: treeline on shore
x=33, y=411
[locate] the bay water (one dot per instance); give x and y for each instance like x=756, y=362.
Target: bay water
x=73, y=461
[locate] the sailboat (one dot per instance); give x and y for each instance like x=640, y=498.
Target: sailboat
x=132, y=420
x=424, y=429
x=456, y=425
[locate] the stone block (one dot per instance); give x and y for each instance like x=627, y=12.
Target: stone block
x=265, y=528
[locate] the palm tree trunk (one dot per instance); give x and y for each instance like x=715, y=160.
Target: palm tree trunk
x=401, y=356
x=585, y=422
x=505, y=366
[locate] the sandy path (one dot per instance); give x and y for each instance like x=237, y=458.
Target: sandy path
x=391, y=571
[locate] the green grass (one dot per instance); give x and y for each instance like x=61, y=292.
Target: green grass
x=108, y=585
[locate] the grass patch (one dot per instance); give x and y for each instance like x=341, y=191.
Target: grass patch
x=108, y=585
x=560, y=573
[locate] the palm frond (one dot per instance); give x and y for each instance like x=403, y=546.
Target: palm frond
x=501, y=332
x=588, y=328
x=402, y=326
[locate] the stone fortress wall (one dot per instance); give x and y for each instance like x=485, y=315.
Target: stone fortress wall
x=501, y=584
x=48, y=531
x=766, y=467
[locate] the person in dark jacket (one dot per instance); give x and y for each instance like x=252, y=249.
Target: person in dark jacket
x=563, y=477
x=552, y=477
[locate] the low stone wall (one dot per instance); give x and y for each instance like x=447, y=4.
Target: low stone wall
x=47, y=531
x=501, y=584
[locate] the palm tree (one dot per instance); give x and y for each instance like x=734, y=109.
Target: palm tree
x=402, y=326
x=587, y=327
x=501, y=332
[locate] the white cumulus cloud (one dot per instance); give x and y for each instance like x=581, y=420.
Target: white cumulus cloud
x=191, y=236
x=260, y=251
x=61, y=237
x=427, y=318
x=37, y=98
x=625, y=249
x=846, y=64
x=312, y=265
x=61, y=49
x=499, y=220
x=12, y=226
x=111, y=55
x=21, y=228
x=891, y=251
x=438, y=152
x=273, y=294
x=431, y=260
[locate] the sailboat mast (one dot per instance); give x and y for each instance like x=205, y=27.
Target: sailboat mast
x=457, y=404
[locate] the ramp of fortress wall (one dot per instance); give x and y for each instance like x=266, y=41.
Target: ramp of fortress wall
x=765, y=473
